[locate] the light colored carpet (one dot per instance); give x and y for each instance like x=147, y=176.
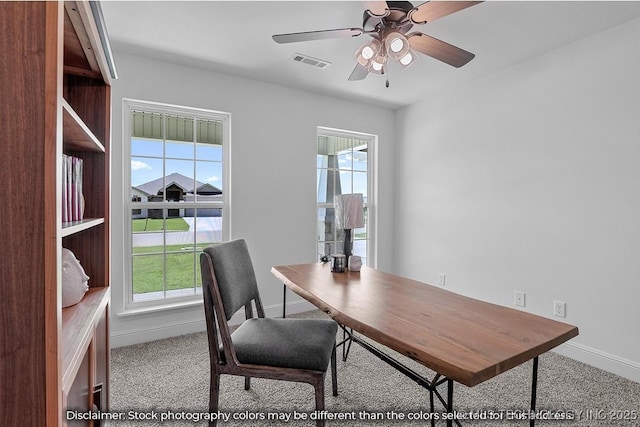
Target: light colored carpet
x=171, y=378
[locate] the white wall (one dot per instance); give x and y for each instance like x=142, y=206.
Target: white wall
x=273, y=174
x=529, y=179
x=526, y=179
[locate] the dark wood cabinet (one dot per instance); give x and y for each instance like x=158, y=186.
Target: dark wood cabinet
x=55, y=80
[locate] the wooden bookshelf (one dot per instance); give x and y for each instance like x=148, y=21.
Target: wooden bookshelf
x=77, y=330
x=55, y=71
x=69, y=228
x=76, y=135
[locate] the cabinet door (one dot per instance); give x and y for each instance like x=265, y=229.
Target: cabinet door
x=79, y=397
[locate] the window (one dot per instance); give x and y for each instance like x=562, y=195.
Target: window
x=344, y=165
x=179, y=197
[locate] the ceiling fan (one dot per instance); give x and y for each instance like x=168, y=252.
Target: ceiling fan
x=388, y=24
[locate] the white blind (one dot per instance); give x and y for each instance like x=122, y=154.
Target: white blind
x=331, y=145
x=176, y=128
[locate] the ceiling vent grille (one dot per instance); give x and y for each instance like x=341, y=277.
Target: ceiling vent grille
x=314, y=62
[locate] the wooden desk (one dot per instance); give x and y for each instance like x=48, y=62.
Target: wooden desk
x=460, y=338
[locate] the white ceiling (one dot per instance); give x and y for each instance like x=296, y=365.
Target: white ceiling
x=235, y=37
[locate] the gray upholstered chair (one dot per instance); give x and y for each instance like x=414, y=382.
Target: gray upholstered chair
x=283, y=349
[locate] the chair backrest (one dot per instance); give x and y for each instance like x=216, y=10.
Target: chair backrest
x=234, y=275
x=228, y=283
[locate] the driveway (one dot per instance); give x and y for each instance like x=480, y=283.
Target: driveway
x=201, y=231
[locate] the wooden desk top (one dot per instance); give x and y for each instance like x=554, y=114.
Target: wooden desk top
x=464, y=339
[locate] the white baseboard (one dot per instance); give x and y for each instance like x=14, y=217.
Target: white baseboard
x=158, y=332
x=608, y=362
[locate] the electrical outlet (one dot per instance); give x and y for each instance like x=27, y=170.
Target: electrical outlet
x=441, y=279
x=520, y=299
x=560, y=308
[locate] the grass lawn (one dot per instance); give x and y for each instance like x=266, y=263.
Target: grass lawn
x=182, y=261
x=149, y=270
x=151, y=224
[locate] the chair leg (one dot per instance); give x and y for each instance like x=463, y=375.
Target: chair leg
x=319, y=386
x=214, y=393
x=247, y=383
x=334, y=373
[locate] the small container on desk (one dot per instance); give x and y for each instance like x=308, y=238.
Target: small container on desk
x=339, y=263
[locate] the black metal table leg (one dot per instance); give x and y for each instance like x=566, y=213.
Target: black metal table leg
x=350, y=336
x=534, y=388
x=284, y=301
x=432, y=407
x=450, y=401
x=346, y=342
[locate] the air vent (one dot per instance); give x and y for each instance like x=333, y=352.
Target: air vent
x=315, y=62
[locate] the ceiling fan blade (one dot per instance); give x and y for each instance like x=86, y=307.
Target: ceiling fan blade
x=358, y=73
x=432, y=10
x=439, y=50
x=376, y=8
x=317, y=35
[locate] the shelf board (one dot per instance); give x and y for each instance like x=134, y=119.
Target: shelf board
x=78, y=325
x=69, y=228
x=76, y=135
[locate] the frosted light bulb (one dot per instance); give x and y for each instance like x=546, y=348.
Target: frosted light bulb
x=406, y=60
x=396, y=44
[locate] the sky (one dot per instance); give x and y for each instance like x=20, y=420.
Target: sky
x=147, y=163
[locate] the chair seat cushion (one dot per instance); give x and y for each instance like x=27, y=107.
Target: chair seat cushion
x=286, y=343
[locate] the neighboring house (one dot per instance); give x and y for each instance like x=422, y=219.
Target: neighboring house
x=138, y=195
x=178, y=188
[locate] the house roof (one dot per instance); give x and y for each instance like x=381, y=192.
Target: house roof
x=208, y=189
x=188, y=185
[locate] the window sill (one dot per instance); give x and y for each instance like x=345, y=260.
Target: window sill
x=157, y=308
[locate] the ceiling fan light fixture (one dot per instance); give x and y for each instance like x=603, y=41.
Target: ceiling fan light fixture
x=397, y=45
x=367, y=52
x=395, y=42
x=408, y=59
x=378, y=64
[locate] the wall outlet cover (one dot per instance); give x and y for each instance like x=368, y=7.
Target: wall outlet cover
x=560, y=308
x=520, y=299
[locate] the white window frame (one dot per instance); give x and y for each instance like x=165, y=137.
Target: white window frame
x=372, y=185
x=130, y=105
